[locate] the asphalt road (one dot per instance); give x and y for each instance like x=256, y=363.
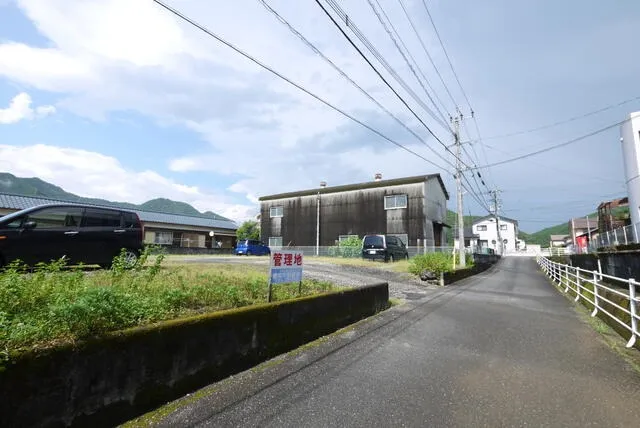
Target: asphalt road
x=503, y=349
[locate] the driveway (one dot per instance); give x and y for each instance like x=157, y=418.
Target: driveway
x=501, y=350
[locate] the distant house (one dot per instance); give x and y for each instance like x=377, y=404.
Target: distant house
x=411, y=208
x=164, y=229
x=582, y=231
x=471, y=239
x=497, y=237
x=558, y=240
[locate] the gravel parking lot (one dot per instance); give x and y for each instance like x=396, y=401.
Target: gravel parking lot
x=401, y=285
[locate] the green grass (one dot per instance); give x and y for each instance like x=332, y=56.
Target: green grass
x=434, y=262
x=53, y=305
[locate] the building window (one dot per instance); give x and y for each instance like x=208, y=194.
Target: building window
x=395, y=202
x=401, y=236
x=482, y=228
x=345, y=237
x=275, y=241
x=163, y=238
x=276, y=211
x=503, y=227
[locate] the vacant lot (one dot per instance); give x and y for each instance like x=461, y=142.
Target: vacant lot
x=344, y=272
x=54, y=305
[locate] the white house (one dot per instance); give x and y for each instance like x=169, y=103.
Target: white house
x=487, y=232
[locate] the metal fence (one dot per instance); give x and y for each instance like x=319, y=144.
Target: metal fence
x=576, y=279
x=621, y=236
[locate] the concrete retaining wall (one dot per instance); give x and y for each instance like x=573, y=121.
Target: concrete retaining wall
x=113, y=379
x=623, y=264
x=460, y=274
x=485, y=258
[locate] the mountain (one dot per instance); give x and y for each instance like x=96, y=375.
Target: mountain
x=167, y=205
x=452, y=220
x=40, y=188
x=542, y=237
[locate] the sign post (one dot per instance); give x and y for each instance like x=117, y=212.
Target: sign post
x=285, y=266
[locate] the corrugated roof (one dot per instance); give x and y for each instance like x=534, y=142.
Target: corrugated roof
x=18, y=202
x=583, y=223
x=558, y=237
x=358, y=186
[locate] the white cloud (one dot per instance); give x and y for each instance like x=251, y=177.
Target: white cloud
x=92, y=174
x=131, y=55
x=20, y=109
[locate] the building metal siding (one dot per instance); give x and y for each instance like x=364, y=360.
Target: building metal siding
x=354, y=212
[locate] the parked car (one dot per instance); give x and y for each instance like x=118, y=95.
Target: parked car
x=81, y=234
x=252, y=247
x=384, y=247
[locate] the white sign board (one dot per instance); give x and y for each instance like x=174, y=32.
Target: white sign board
x=286, y=266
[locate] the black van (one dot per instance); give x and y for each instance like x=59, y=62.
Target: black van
x=383, y=247
x=81, y=234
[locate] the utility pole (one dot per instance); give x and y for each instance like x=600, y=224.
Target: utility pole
x=456, y=136
x=499, y=244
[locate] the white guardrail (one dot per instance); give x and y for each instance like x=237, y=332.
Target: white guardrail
x=575, y=279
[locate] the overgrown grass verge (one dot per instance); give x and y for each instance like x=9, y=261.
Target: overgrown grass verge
x=435, y=262
x=52, y=304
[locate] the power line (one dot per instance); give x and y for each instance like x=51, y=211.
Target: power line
x=291, y=82
x=464, y=93
x=315, y=49
x=356, y=31
x=563, y=170
x=391, y=31
x=424, y=77
x=562, y=122
x=446, y=54
x=351, y=25
x=426, y=51
x=354, y=28
x=475, y=197
x=546, y=149
x=482, y=146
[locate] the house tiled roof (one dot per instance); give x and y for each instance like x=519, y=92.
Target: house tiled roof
x=558, y=237
x=359, y=186
x=18, y=202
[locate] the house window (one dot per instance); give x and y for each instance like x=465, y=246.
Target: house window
x=163, y=238
x=395, y=202
x=275, y=241
x=276, y=211
x=345, y=237
x=401, y=236
x=482, y=228
x=503, y=227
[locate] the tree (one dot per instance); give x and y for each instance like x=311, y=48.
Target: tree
x=248, y=230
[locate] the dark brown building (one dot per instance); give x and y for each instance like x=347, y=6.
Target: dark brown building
x=412, y=208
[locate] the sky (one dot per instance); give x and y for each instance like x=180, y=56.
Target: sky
x=119, y=99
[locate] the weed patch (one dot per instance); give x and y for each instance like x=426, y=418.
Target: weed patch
x=54, y=304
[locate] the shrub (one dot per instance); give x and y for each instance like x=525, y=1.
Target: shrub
x=348, y=248
x=434, y=262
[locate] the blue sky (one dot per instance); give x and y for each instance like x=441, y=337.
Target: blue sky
x=117, y=99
